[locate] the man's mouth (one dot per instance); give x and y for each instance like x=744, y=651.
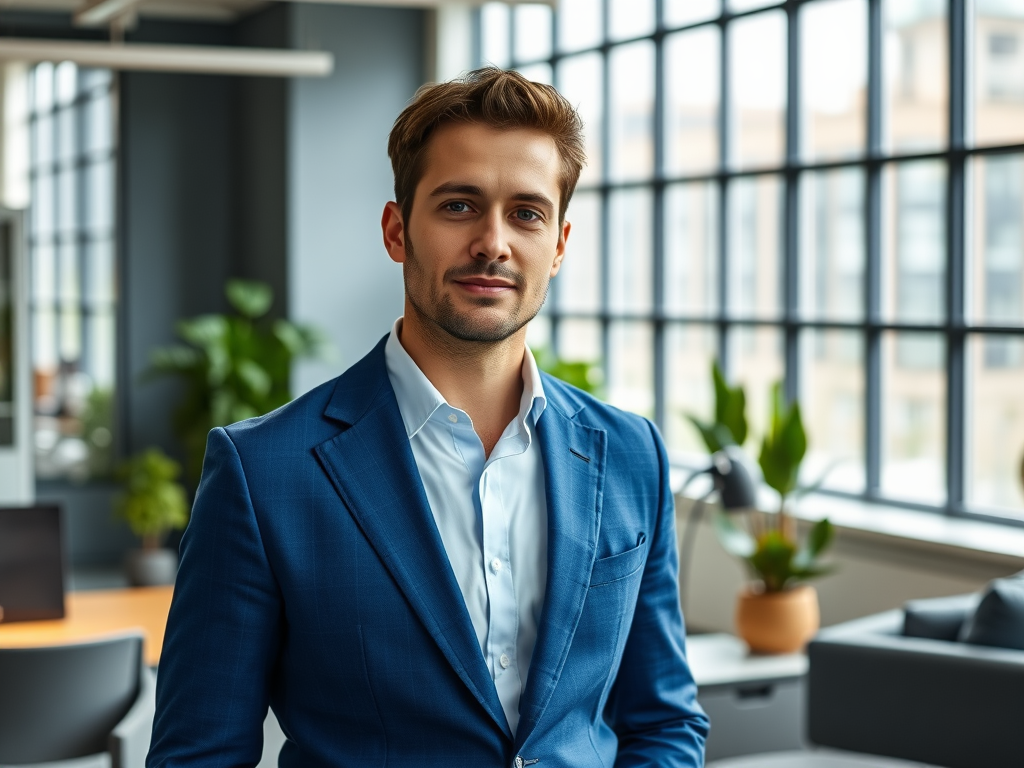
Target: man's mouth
x=486, y=286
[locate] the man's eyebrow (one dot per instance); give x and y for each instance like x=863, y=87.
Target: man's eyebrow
x=457, y=188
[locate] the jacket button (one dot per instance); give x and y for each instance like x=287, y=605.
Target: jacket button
x=518, y=762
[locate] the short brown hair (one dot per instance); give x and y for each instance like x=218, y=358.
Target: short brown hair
x=499, y=98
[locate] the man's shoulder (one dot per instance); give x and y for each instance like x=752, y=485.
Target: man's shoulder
x=592, y=412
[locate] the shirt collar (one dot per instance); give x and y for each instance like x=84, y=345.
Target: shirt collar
x=418, y=399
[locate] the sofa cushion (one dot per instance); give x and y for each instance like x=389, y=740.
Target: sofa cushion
x=938, y=618
x=999, y=619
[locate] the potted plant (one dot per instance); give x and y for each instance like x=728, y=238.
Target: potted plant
x=234, y=366
x=777, y=612
x=582, y=374
x=153, y=503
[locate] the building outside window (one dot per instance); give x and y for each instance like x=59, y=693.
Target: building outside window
x=71, y=249
x=829, y=192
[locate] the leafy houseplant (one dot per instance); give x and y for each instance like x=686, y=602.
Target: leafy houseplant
x=769, y=544
x=234, y=366
x=153, y=503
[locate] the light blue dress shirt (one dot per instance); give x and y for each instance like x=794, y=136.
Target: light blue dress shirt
x=491, y=513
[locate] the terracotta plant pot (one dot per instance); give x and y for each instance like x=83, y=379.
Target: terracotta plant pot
x=777, y=622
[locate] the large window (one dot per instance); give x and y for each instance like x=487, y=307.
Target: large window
x=71, y=246
x=830, y=192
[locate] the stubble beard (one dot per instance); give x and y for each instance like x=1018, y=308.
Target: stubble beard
x=442, y=313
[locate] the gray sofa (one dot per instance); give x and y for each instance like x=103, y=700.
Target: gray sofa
x=932, y=698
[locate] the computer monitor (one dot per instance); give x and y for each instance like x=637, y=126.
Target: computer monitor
x=31, y=564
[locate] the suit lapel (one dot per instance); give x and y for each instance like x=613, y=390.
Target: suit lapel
x=574, y=462
x=373, y=469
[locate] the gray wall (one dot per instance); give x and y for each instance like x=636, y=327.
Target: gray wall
x=339, y=275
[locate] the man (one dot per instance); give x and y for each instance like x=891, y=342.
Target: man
x=442, y=557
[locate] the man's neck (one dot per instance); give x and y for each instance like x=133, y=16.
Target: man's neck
x=483, y=379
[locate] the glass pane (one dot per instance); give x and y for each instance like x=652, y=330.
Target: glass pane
x=99, y=213
x=995, y=421
x=66, y=136
x=832, y=239
x=914, y=416
x=746, y=5
x=632, y=111
x=916, y=75
x=67, y=211
x=689, y=350
x=538, y=333
x=997, y=256
x=631, y=367
x=538, y=73
x=999, y=72
x=99, y=131
x=915, y=247
x=41, y=218
x=579, y=24
x=100, y=280
x=832, y=404
x=757, y=55
x=580, y=80
x=680, y=12
x=834, y=78
x=631, y=272
x=691, y=249
x=579, y=280
x=756, y=358
x=691, y=114
x=580, y=340
x=532, y=32
x=100, y=333
x=630, y=18
x=495, y=26
x=753, y=276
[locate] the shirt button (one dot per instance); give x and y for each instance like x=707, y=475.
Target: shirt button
x=504, y=660
x=453, y=418
x=496, y=565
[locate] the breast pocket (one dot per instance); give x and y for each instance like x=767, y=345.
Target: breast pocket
x=609, y=569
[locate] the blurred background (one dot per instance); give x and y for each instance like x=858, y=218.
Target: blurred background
x=826, y=192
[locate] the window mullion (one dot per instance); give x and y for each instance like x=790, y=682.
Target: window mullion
x=791, y=205
x=873, y=256
x=955, y=254
x=725, y=144
x=658, y=221
x=605, y=208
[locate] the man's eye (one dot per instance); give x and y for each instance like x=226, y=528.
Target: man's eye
x=527, y=215
x=457, y=207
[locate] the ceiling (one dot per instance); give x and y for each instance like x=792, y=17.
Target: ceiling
x=198, y=10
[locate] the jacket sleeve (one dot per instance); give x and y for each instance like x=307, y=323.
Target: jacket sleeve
x=653, y=706
x=223, y=631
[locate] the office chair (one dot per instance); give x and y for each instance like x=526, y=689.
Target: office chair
x=89, y=704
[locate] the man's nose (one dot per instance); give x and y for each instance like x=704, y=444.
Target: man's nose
x=491, y=238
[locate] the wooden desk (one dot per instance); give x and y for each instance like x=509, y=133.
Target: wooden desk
x=91, y=615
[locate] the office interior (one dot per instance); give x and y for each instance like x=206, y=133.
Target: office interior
x=828, y=194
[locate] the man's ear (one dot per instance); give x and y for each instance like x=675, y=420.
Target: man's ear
x=392, y=226
x=560, y=248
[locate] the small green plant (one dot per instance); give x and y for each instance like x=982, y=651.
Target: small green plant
x=234, y=366
x=581, y=374
x=153, y=502
x=769, y=544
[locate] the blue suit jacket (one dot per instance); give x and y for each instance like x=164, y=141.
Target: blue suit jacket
x=313, y=579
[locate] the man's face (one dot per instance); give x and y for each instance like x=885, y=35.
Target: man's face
x=483, y=237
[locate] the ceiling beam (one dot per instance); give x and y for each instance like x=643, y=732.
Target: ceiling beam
x=198, y=59
x=98, y=13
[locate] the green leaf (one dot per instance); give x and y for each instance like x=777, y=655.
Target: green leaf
x=152, y=502
x=733, y=539
x=250, y=298
x=773, y=560
x=819, y=538
x=784, y=445
x=254, y=376
x=707, y=433
x=175, y=358
x=730, y=406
